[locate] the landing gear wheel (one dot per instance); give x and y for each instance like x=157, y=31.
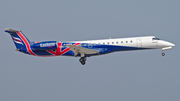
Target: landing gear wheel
x=82, y=60
x=163, y=54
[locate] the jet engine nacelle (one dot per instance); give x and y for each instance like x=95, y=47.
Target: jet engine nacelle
x=47, y=45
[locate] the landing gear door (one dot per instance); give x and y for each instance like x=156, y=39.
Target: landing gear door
x=139, y=43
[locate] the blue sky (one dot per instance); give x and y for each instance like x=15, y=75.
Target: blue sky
x=133, y=75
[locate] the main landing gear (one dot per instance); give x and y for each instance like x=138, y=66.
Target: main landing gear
x=83, y=60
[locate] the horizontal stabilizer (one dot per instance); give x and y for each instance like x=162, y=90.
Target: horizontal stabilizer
x=10, y=30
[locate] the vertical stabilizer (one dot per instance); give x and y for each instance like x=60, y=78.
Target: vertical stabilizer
x=19, y=39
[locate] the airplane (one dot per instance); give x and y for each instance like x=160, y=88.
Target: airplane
x=84, y=49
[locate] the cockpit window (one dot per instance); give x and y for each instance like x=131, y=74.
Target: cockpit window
x=155, y=38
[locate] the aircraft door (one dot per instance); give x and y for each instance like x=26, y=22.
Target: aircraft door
x=139, y=43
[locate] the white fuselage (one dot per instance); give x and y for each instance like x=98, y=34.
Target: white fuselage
x=148, y=42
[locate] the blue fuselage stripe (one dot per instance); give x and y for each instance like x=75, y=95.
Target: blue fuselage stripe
x=103, y=49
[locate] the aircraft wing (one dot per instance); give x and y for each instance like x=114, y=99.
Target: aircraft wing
x=81, y=50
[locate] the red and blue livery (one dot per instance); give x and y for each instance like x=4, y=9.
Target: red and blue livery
x=84, y=49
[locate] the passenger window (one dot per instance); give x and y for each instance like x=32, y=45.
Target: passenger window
x=131, y=41
x=112, y=42
x=117, y=42
x=121, y=41
x=126, y=41
x=108, y=43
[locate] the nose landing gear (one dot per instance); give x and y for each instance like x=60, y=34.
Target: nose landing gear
x=83, y=60
x=163, y=54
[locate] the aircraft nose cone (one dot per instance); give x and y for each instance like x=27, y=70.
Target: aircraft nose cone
x=167, y=44
x=171, y=44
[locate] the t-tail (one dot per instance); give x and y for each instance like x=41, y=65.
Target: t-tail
x=20, y=40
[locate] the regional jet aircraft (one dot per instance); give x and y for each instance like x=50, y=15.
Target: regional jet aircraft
x=84, y=49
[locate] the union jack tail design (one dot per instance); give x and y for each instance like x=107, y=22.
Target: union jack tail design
x=19, y=39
